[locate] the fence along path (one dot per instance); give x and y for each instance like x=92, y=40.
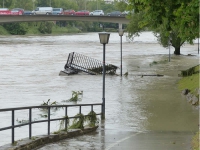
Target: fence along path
x=48, y=107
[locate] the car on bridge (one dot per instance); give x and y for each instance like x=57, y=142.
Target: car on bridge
x=28, y=12
x=97, y=13
x=57, y=11
x=82, y=13
x=17, y=11
x=43, y=11
x=5, y=11
x=69, y=12
x=115, y=13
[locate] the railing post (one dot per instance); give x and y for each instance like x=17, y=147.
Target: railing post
x=30, y=123
x=66, y=119
x=79, y=109
x=13, y=128
x=48, y=120
x=91, y=108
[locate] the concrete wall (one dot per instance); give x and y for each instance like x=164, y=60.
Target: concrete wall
x=39, y=141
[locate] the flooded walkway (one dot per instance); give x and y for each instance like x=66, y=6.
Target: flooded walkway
x=137, y=107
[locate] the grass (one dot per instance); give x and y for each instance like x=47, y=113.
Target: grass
x=190, y=82
x=158, y=62
x=195, y=142
x=3, y=31
x=64, y=30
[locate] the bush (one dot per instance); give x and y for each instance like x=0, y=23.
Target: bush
x=16, y=28
x=45, y=27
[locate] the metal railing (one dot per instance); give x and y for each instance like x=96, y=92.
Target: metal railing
x=48, y=107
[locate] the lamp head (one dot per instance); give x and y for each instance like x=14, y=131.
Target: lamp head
x=121, y=32
x=104, y=37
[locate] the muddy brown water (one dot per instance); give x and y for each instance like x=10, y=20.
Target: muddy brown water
x=29, y=75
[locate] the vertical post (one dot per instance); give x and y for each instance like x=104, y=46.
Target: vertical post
x=85, y=4
x=30, y=122
x=3, y=3
x=91, y=108
x=79, y=109
x=198, y=45
x=103, y=96
x=13, y=128
x=121, y=54
x=169, y=48
x=48, y=120
x=97, y=4
x=66, y=119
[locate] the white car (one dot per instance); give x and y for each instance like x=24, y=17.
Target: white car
x=97, y=13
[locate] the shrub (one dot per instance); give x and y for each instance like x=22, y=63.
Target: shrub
x=45, y=27
x=16, y=28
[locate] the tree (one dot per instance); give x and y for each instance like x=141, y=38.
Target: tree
x=169, y=18
x=121, y=5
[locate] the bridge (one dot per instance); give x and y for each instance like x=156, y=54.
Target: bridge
x=33, y=18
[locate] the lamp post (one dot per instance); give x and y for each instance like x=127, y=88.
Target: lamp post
x=104, y=38
x=121, y=33
x=169, y=43
x=198, y=45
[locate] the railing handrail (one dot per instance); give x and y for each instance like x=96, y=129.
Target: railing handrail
x=30, y=122
x=46, y=106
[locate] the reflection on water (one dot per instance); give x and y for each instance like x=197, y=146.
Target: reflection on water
x=29, y=75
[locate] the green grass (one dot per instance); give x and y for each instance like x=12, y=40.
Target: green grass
x=64, y=30
x=190, y=82
x=195, y=142
x=3, y=31
x=33, y=31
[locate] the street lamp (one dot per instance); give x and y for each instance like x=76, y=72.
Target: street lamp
x=169, y=43
x=121, y=33
x=104, y=38
x=198, y=45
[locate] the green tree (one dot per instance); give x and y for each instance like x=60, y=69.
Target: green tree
x=25, y=4
x=121, y=5
x=166, y=18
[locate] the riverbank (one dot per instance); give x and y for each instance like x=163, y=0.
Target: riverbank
x=50, y=28
x=189, y=85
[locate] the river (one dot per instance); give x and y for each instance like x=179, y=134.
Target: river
x=29, y=76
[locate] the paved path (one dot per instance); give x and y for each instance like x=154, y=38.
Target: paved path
x=113, y=139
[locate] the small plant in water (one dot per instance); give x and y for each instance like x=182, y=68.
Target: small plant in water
x=158, y=62
x=92, y=119
x=78, y=122
x=62, y=124
x=22, y=121
x=126, y=74
x=48, y=103
x=15, y=143
x=75, y=96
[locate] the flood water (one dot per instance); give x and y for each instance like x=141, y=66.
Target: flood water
x=29, y=76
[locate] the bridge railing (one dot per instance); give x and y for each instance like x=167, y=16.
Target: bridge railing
x=48, y=107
